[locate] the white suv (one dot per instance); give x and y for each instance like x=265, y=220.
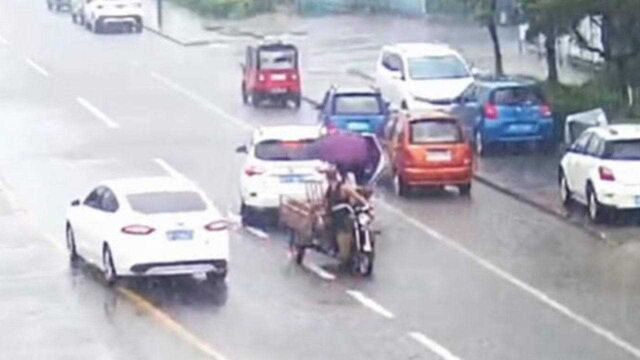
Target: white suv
x=279, y=163
x=602, y=170
x=422, y=75
x=98, y=15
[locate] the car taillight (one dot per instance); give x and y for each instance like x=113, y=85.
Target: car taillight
x=262, y=78
x=253, y=171
x=545, y=110
x=138, y=230
x=218, y=225
x=490, y=111
x=606, y=174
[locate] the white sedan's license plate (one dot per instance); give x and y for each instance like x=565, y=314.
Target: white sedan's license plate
x=177, y=235
x=438, y=155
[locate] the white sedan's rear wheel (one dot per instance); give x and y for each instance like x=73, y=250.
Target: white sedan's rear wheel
x=71, y=245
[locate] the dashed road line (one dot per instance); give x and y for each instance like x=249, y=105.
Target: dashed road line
x=97, y=113
x=37, y=67
x=370, y=304
x=316, y=269
x=171, y=324
x=257, y=232
x=430, y=344
x=204, y=102
x=169, y=169
x=534, y=292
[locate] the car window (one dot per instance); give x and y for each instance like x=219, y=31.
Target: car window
x=357, y=104
x=430, y=131
x=94, y=198
x=580, y=145
x=276, y=150
x=166, y=202
x=437, y=67
x=392, y=62
x=594, y=146
x=277, y=59
x=622, y=150
x=108, y=201
x=517, y=96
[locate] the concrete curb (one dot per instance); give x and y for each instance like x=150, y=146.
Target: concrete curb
x=506, y=190
x=180, y=42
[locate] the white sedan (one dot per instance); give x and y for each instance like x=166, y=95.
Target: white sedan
x=149, y=227
x=602, y=170
x=279, y=163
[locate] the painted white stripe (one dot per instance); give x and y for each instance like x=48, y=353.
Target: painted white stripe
x=204, y=102
x=97, y=113
x=37, y=67
x=322, y=273
x=257, y=233
x=436, y=348
x=534, y=292
x=370, y=304
x=169, y=169
x=4, y=41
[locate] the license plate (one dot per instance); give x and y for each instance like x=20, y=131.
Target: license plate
x=358, y=126
x=520, y=128
x=438, y=155
x=278, y=91
x=177, y=235
x=278, y=77
x=288, y=179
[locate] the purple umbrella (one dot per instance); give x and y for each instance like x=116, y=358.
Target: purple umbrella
x=343, y=149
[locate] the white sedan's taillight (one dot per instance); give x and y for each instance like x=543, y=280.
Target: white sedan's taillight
x=138, y=230
x=218, y=225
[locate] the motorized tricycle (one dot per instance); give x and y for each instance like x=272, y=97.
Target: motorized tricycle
x=270, y=73
x=310, y=227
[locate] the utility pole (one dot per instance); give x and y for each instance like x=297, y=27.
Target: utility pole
x=160, y=15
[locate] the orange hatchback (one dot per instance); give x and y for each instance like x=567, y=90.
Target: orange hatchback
x=426, y=150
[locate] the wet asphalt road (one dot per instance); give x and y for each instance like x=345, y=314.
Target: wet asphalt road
x=480, y=278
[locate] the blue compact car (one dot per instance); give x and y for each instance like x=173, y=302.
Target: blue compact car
x=500, y=111
x=355, y=110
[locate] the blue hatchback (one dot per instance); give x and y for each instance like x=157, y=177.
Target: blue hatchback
x=354, y=110
x=505, y=111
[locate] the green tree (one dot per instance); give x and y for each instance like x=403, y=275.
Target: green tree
x=485, y=12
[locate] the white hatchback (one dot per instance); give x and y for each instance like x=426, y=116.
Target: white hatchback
x=422, y=75
x=602, y=170
x=279, y=163
x=149, y=227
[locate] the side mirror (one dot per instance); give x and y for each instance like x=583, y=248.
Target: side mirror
x=242, y=149
x=75, y=202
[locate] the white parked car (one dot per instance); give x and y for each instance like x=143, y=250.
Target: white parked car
x=422, y=75
x=149, y=227
x=99, y=15
x=278, y=163
x=602, y=170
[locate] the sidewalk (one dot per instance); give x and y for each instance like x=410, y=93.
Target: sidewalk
x=343, y=50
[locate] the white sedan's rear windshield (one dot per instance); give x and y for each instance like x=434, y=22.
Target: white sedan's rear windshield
x=275, y=150
x=166, y=202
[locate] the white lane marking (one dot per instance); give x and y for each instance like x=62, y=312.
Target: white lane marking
x=322, y=273
x=202, y=101
x=436, y=348
x=370, y=304
x=536, y=293
x=169, y=169
x=257, y=232
x=97, y=113
x=37, y=67
x=4, y=41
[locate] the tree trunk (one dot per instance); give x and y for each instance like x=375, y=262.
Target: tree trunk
x=552, y=65
x=497, y=53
